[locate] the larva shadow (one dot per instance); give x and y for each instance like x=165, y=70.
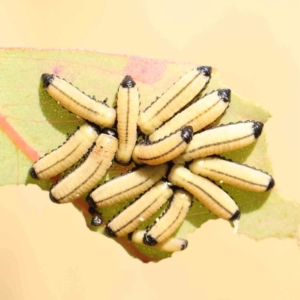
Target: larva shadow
x=247, y=201
x=43, y=184
x=57, y=116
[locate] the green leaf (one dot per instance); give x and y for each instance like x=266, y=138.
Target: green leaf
x=32, y=124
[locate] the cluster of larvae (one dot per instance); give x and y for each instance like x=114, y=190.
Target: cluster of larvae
x=175, y=159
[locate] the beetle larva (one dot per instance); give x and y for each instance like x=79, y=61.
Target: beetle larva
x=163, y=150
x=126, y=186
x=174, y=99
x=62, y=158
x=89, y=172
x=170, y=245
x=170, y=220
x=198, y=115
x=233, y=173
x=77, y=102
x=223, y=138
x=210, y=195
x=140, y=210
x=128, y=104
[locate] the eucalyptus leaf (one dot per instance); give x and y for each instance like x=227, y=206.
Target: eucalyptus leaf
x=32, y=124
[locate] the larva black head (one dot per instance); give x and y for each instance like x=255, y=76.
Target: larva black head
x=110, y=131
x=95, y=127
x=93, y=211
x=128, y=82
x=149, y=240
x=257, y=129
x=90, y=201
x=96, y=221
x=205, y=70
x=32, y=173
x=235, y=216
x=224, y=94
x=271, y=184
x=129, y=236
x=54, y=200
x=109, y=231
x=184, y=245
x=47, y=79
x=187, y=133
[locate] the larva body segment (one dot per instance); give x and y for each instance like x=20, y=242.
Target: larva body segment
x=67, y=154
x=232, y=173
x=174, y=99
x=77, y=102
x=209, y=194
x=127, y=115
x=198, y=115
x=90, y=172
x=170, y=245
x=140, y=210
x=223, y=138
x=170, y=220
x=163, y=150
x=126, y=186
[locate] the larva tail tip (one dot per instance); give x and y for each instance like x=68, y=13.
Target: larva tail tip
x=205, y=70
x=187, y=133
x=109, y=231
x=110, y=131
x=257, y=129
x=235, y=216
x=53, y=199
x=271, y=184
x=32, y=173
x=149, y=240
x=128, y=82
x=184, y=245
x=123, y=163
x=46, y=79
x=224, y=94
x=96, y=221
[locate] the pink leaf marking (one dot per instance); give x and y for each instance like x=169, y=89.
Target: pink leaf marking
x=17, y=139
x=145, y=70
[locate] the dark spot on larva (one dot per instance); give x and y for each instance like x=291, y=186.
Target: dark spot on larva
x=32, y=173
x=47, y=79
x=235, y=216
x=184, y=245
x=96, y=221
x=205, y=70
x=90, y=201
x=110, y=131
x=271, y=184
x=149, y=240
x=54, y=200
x=187, y=133
x=257, y=129
x=128, y=82
x=224, y=94
x=109, y=231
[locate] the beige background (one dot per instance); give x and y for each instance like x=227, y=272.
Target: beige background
x=46, y=252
